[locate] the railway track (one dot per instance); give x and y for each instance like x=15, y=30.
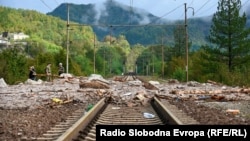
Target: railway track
x=81, y=126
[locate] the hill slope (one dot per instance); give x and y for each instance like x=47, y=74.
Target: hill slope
x=139, y=26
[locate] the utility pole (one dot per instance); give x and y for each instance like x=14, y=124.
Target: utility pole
x=136, y=69
x=162, y=57
x=104, y=60
x=67, y=58
x=153, y=54
x=186, y=36
x=110, y=54
x=94, y=53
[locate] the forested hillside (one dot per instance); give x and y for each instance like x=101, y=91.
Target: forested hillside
x=217, y=49
x=48, y=42
x=139, y=26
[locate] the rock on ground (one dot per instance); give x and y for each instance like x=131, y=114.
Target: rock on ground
x=26, y=110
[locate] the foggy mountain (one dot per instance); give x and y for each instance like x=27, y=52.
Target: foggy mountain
x=138, y=25
x=115, y=18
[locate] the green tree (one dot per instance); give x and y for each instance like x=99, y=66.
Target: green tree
x=179, y=38
x=229, y=34
x=13, y=69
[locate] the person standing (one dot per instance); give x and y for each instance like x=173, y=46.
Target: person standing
x=60, y=69
x=32, y=73
x=48, y=72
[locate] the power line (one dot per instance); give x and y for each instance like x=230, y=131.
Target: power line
x=149, y=24
x=45, y=4
x=167, y=13
x=123, y=25
x=57, y=2
x=245, y=3
x=202, y=6
x=192, y=2
x=206, y=9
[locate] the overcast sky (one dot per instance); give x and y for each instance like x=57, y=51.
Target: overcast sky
x=168, y=9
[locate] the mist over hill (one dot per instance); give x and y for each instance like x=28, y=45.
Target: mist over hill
x=138, y=25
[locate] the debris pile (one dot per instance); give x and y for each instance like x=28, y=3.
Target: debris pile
x=127, y=90
x=40, y=105
x=2, y=83
x=94, y=85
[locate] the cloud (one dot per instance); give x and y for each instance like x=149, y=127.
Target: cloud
x=100, y=9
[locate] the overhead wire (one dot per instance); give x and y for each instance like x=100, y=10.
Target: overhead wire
x=191, y=2
x=141, y=25
x=57, y=2
x=166, y=14
x=202, y=6
x=46, y=5
x=204, y=11
x=122, y=25
x=150, y=23
x=245, y=3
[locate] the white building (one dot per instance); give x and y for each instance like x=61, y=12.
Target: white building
x=6, y=37
x=2, y=41
x=18, y=36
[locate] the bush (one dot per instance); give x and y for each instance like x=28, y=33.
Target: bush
x=179, y=74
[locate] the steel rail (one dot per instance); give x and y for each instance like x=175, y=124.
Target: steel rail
x=82, y=123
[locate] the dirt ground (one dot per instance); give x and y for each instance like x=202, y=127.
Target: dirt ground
x=210, y=115
x=25, y=112
x=19, y=123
